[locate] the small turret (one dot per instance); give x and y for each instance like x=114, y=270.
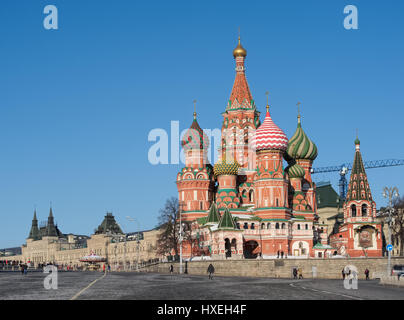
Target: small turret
x=34, y=233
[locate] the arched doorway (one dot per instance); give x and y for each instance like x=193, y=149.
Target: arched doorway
x=227, y=247
x=250, y=249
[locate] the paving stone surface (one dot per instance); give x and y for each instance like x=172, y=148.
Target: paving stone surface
x=149, y=286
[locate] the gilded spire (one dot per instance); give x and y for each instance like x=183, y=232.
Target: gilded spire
x=240, y=97
x=239, y=51
x=298, y=111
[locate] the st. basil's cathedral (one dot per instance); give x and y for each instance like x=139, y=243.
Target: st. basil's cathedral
x=249, y=206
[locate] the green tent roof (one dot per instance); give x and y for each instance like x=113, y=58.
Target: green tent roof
x=226, y=221
x=213, y=215
x=326, y=196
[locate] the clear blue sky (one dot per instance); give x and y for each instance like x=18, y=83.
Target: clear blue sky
x=77, y=104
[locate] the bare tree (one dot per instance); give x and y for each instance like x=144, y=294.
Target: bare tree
x=169, y=225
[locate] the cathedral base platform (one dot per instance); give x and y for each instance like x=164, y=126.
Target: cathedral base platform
x=282, y=268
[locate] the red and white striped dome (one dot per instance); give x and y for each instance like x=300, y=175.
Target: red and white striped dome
x=270, y=136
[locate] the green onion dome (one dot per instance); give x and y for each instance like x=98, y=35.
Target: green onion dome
x=300, y=146
x=222, y=167
x=295, y=171
x=357, y=141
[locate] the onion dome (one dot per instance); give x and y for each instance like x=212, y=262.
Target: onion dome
x=295, y=171
x=239, y=51
x=269, y=136
x=357, y=141
x=222, y=167
x=194, y=137
x=300, y=146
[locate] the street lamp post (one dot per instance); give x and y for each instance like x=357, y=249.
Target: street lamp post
x=124, y=245
x=137, y=241
x=390, y=193
x=180, y=235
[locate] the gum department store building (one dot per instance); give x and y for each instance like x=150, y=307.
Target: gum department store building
x=249, y=206
x=47, y=244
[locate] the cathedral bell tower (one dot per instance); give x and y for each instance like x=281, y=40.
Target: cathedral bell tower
x=195, y=182
x=240, y=120
x=271, y=188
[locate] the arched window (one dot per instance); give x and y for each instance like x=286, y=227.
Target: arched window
x=262, y=225
x=234, y=244
x=298, y=227
x=252, y=226
x=277, y=226
x=268, y=225
x=251, y=195
x=364, y=210
x=283, y=226
x=307, y=226
x=353, y=210
x=238, y=225
x=243, y=196
x=245, y=225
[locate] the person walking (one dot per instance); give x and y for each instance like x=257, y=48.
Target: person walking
x=171, y=269
x=343, y=274
x=300, y=273
x=294, y=273
x=211, y=270
x=367, y=273
x=103, y=268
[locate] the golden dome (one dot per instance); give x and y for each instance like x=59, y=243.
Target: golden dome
x=239, y=51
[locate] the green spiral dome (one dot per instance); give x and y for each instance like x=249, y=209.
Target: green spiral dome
x=300, y=146
x=222, y=167
x=295, y=171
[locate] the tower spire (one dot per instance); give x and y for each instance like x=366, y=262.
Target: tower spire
x=34, y=232
x=298, y=111
x=267, y=93
x=358, y=188
x=50, y=228
x=240, y=97
x=194, y=109
x=357, y=142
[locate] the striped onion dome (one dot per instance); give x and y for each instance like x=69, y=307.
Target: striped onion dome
x=222, y=167
x=300, y=146
x=269, y=136
x=194, y=137
x=295, y=171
